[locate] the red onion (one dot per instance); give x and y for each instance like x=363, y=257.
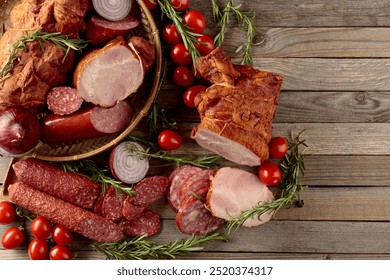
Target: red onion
x=126, y=166
x=113, y=10
x=19, y=131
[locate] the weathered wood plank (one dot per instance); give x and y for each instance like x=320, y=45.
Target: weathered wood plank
x=302, y=107
x=322, y=138
x=327, y=203
x=329, y=74
x=325, y=42
x=302, y=13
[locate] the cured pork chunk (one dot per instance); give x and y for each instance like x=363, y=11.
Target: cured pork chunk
x=237, y=110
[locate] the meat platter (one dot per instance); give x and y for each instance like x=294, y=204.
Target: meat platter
x=139, y=102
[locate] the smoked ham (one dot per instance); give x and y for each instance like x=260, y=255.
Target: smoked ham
x=237, y=110
x=234, y=190
x=108, y=75
x=38, y=69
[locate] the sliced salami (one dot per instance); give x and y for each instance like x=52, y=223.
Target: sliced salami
x=180, y=175
x=98, y=208
x=63, y=100
x=130, y=209
x=199, y=188
x=147, y=224
x=150, y=189
x=194, y=218
x=112, y=208
x=186, y=185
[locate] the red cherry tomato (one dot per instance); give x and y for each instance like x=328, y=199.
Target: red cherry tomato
x=61, y=235
x=169, y=140
x=41, y=228
x=270, y=173
x=183, y=76
x=195, y=21
x=12, y=238
x=180, y=55
x=278, y=147
x=206, y=44
x=60, y=252
x=38, y=249
x=151, y=4
x=190, y=94
x=171, y=35
x=7, y=212
x=180, y=5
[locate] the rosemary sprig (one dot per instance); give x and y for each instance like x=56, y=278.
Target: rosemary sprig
x=97, y=175
x=201, y=161
x=293, y=167
x=140, y=248
x=62, y=41
x=189, y=38
x=245, y=21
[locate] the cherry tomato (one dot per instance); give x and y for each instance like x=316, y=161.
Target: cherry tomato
x=278, y=147
x=190, y=94
x=41, y=227
x=206, y=44
x=62, y=235
x=169, y=140
x=270, y=173
x=180, y=55
x=195, y=21
x=180, y=5
x=12, y=238
x=151, y=4
x=183, y=76
x=171, y=35
x=60, y=252
x=38, y=249
x=7, y=212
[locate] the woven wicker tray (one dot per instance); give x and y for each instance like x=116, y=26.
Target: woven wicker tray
x=140, y=101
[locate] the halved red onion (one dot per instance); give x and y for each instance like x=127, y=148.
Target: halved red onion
x=126, y=166
x=19, y=131
x=113, y=10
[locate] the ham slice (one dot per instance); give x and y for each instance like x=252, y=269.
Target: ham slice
x=234, y=190
x=108, y=75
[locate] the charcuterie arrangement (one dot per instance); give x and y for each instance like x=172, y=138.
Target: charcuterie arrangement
x=51, y=94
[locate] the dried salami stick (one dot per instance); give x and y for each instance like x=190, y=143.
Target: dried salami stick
x=53, y=180
x=79, y=220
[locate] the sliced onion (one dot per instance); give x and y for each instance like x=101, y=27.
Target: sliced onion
x=127, y=167
x=19, y=131
x=113, y=10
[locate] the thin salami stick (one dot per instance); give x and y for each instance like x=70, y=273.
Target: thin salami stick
x=56, y=210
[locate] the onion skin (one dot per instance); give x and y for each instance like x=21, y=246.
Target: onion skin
x=19, y=131
x=113, y=10
x=125, y=166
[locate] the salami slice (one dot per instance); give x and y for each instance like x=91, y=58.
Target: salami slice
x=52, y=179
x=180, y=175
x=130, y=209
x=186, y=185
x=98, y=208
x=112, y=207
x=150, y=189
x=63, y=100
x=194, y=218
x=147, y=224
x=58, y=211
x=199, y=188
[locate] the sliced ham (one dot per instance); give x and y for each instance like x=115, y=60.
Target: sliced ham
x=233, y=191
x=108, y=75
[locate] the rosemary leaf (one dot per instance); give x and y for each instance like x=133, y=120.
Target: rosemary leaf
x=292, y=168
x=200, y=161
x=62, y=41
x=140, y=248
x=97, y=175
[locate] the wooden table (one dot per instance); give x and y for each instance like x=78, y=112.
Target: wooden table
x=334, y=57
